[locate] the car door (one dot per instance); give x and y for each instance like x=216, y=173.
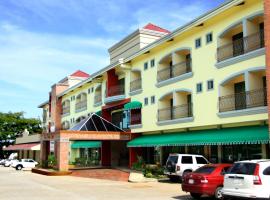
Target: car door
x=265, y=177
x=31, y=163
x=240, y=177
x=187, y=163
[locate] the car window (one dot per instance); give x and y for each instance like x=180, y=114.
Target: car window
x=225, y=170
x=173, y=159
x=31, y=161
x=243, y=168
x=201, y=160
x=205, y=170
x=187, y=160
x=267, y=171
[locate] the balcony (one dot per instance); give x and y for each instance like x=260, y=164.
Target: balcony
x=174, y=71
x=241, y=46
x=115, y=93
x=80, y=106
x=243, y=100
x=136, y=119
x=136, y=85
x=65, y=110
x=175, y=112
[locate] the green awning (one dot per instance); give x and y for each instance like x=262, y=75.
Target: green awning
x=243, y=135
x=132, y=105
x=99, y=113
x=85, y=144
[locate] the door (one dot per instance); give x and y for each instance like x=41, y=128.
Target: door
x=188, y=61
x=189, y=106
x=240, y=95
x=122, y=86
x=238, y=44
x=172, y=114
x=262, y=34
x=171, y=69
x=117, y=119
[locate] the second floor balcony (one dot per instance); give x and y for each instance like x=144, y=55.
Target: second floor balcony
x=174, y=71
x=243, y=100
x=241, y=46
x=175, y=112
x=66, y=110
x=115, y=93
x=98, y=99
x=80, y=106
x=136, y=85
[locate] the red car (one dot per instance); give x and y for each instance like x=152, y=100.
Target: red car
x=206, y=180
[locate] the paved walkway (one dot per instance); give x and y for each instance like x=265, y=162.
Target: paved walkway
x=24, y=185
x=108, y=174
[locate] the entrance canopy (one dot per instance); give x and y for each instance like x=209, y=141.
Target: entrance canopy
x=226, y=136
x=30, y=146
x=133, y=105
x=85, y=144
x=95, y=123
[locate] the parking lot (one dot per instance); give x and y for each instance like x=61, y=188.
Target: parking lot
x=17, y=185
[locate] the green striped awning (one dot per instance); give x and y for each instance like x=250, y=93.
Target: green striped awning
x=241, y=135
x=85, y=144
x=132, y=105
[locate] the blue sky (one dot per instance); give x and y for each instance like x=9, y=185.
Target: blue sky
x=42, y=41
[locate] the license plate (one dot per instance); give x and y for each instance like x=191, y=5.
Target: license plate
x=191, y=181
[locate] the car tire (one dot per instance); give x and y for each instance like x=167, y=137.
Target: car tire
x=19, y=167
x=218, y=194
x=195, y=195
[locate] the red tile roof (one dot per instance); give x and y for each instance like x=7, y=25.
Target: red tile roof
x=153, y=27
x=21, y=146
x=80, y=73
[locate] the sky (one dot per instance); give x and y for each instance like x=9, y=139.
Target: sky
x=43, y=41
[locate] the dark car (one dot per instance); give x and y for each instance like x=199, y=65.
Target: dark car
x=206, y=180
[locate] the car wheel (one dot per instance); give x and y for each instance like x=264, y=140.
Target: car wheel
x=195, y=195
x=218, y=194
x=19, y=167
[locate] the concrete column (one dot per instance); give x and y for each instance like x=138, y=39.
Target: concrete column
x=43, y=152
x=219, y=153
x=62, y=155
x=264, y=153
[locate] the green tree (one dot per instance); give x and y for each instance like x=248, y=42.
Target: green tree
x=13, y=124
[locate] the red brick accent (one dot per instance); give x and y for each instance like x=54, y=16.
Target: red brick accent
x=106, y=153
x=62, y=155
x=267, y=46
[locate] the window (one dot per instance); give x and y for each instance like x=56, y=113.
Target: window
x=145, y=65
x=201, y=160
x=205, y=170
x=92, y=89
x=173, y=159
x=243, y=168
x=198, y=43
x=210, y=84
x=146, y=101
x=187, y=160
x=267, y=171
x=89, y=91
x=225, y=170
x=152, y=63
x=199, y=87
x=209, y=38
x=152, y=99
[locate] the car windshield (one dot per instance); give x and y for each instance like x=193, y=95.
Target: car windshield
x=173, y=159
x=243, y=168
x=205, y=170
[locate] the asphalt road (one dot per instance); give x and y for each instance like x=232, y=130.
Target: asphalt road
x=24, y=185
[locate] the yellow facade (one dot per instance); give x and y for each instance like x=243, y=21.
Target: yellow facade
x=205, y=104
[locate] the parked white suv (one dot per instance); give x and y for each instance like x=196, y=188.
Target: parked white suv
x=179, y=164
x=248, y=179
x=24, y=163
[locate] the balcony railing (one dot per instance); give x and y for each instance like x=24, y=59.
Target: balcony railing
x=115, y=90
x=98, y=98
x=175, y=112
x=81, y=105
x=135, y=85
x=135, y=118
x=174, y=71
x=241, y=46
x=66, y=110
x=243, y=100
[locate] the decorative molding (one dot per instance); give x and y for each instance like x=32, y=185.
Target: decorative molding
x=248, y=111
x=174, y=80
x=176, y=121
x=135, y=92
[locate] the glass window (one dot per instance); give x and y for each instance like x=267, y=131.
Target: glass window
x=201, y=160
x=198, y=43
x=89, y=91
x=173, y=159
x=267, y=171
x=205, y=170
x=152, y=63
x=146, y=101
x=210, y=84
x=145, y=65
x=209, y=38
x=199, y=87
x=187, y=160
x=152, y=99
x=225, y=170
x=243, y=168
x=92, y=89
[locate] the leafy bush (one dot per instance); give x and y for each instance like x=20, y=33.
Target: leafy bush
x=152, y=171
x=139, y=165
x=51, y=161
